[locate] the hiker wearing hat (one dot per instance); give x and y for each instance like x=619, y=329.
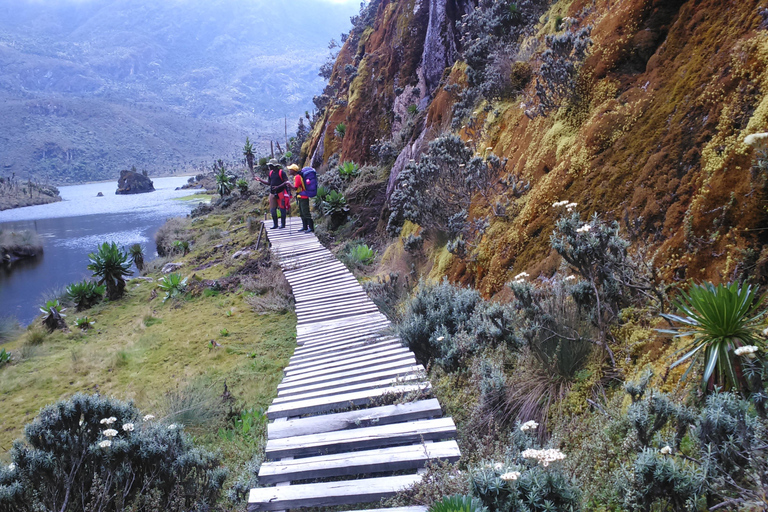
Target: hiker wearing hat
x=279, y=197
x=302, y=197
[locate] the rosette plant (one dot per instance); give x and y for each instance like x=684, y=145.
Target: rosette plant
x=111, y=265
x=718, y=319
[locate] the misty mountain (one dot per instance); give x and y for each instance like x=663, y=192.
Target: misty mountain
x=91, y=86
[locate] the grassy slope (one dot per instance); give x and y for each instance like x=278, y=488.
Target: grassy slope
x=140, y=349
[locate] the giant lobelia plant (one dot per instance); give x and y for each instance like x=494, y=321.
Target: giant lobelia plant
x=719, y=319
x=111, y=265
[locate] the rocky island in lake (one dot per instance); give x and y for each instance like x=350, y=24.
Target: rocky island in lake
x=134, y=182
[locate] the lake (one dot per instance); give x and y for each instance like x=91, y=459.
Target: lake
x=75, y=227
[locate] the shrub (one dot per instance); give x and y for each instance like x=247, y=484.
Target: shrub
x=721, y=319
x=85, y=294
x=348, y=170
x=111, y=265
x=560, y=65
x=137, y=256
x=176, y=228
x=181, y=247
x=173, y=286
x=530, y=478
x=458, y=504
x=5, y=357
x=242, y=186
x=83, y=323
x=448, y=323
x=196, y=405
x=335, y=206
x=413, y=243
x=96, y=453
x=363, y=254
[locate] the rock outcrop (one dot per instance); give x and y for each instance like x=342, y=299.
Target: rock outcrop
x=132, y=182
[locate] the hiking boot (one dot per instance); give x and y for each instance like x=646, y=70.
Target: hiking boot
x=274, y=227
x=301, y=230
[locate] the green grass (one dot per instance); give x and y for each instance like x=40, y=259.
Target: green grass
x=142, y=350
x=205, y=198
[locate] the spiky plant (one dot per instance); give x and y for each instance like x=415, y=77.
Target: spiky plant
x=223, y=182
x=181, y=247
x=53, y=315
x=248, y=153
x=111, y=265
x=173, y=286
x=5, y=357
x=458, y=503
x=137, y=256
x=85, y=294
x=340, y=130
x=719, y=319
x=242, y=186
x=335, y=206
x=349, y=170
x=362, y=253
x=84, y=323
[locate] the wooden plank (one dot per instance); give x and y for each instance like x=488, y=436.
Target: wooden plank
x=340, y=402
x=382, y=415
x=402, y=365
x=346, y=325
x=323, y=338
x=336, y=313
x=361, y=366
x=321, y=366
x=382, y=460
x=397, y=380
x=328, y=494
x=341, y=346
x=363, y=381
x=316, y=275
x=344, y=351
x=338, y=303
x=331, y=297
x=340, y=284
x=364, y=438
x=302, y=294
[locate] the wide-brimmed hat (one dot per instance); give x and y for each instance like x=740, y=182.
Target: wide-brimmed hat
x=293, y=167
x=273, y=163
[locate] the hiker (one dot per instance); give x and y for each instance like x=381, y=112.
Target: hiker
x=279, y=197
x=301, y=186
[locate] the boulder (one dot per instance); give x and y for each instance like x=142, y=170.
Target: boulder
x=100, y=194
x=171, y=267
x=132, y=182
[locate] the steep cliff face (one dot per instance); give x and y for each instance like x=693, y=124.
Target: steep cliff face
x=652, y=134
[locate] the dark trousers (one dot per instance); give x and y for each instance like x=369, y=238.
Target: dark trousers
x=306, y=215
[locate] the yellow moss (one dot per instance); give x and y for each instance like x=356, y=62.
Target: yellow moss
x=358, y=86
x=442, y=261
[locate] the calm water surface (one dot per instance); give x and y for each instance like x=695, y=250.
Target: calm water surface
x=74, y=227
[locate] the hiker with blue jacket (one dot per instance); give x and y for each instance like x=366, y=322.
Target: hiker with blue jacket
x=304, y=182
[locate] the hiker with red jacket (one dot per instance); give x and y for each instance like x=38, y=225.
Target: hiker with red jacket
x=302, y=184
x=279, y=196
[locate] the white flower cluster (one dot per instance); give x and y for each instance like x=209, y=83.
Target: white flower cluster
x=529, y=425
x=756, y=139
x=666, y=450
x=559, y=204
x=510, y=476
x=105, y=444
x=110, y=432
x=11, y=466
x=544, y=457
x=108, y=421
x=128, y=427
x=747, y=350
x=172, y=426
x=569, y=278
x=568, y=205
x=584, y=229
x=149, y=417
x=520, y=278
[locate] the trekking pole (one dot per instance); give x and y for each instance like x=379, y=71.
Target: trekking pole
x=258, y=241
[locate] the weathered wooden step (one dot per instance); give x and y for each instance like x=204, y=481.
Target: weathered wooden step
x=374, y=356
x=340, y=402
x=328, y=494
x=398, y=380
x=361, y=364
x=365, y=462
x=323, y=339
x=344, y=349
x=360, y=381
x=382, y=415
x=365, y=438
x=404, y=366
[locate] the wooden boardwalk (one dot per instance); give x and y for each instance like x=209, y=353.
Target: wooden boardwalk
x=353, y=421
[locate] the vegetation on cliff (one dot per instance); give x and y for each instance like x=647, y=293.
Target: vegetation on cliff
x=16, y=194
